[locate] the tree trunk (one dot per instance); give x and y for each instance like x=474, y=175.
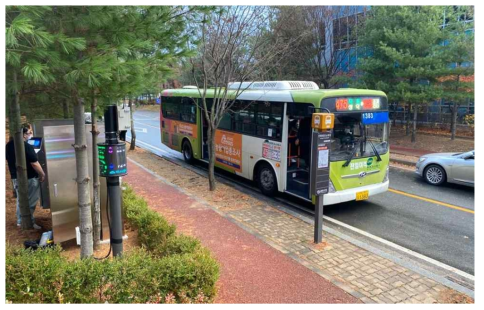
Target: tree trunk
x=211, y=158
x=395, y=115
x=20, y=160
x=96, y=235
x=65, y=108
x=133, y=133
x=414, y=125
x=82, y=169
x=453, y=120
x=407, y=115
x=451, y=117
x=453, y=125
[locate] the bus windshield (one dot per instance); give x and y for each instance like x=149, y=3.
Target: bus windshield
x=353, y=138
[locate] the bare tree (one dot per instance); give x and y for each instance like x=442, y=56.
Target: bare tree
x=234, y=45
x=329, y=37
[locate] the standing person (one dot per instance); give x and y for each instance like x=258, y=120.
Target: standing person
x=34, y=173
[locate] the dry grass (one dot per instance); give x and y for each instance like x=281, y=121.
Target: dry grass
x=431, y=143
x=449, y=296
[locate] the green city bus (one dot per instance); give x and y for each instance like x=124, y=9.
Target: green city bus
x=266, y=136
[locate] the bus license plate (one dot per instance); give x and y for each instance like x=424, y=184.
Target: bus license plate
x=362, y=195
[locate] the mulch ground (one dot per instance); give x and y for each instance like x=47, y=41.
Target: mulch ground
x=432, y=141
x=16, y=236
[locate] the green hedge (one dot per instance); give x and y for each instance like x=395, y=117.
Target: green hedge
x=169, y=268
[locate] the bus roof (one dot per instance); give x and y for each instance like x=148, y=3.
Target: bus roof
x=313, y=96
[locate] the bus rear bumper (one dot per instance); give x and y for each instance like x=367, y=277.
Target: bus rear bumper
x=350, y=194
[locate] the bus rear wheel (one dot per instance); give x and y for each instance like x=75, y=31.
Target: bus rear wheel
x=266, y=180
x=187, y=151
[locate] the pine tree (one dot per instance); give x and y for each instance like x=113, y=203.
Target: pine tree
x=30, y=61
x=457, y=78
x=404, y=61
x=128, y=50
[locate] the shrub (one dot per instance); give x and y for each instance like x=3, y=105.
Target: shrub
x=169, y=268
x=45, y=276
x=469, y=120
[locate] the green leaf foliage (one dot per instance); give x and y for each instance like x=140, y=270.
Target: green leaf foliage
x=168, y=268
x=404, y=61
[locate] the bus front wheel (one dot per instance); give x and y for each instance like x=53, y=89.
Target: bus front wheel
x=266, y=180
x=187, y=151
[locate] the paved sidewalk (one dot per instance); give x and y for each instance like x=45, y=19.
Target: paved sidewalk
x=272, y=271
x=251, y=270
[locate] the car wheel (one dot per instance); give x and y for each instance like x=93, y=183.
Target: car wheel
x=435, y=175
x=266, y=180
x=187, y=151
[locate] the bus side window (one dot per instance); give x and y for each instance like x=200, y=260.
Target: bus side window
x=245, y=117
x=269, y=119
x=187, y=110
x=171, y=108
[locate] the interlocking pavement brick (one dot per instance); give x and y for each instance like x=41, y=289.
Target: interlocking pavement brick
x=368, y=300
x=377, y=291
x=375, y=279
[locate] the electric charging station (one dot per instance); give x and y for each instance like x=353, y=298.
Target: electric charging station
x=322, y=124
x=112, y=165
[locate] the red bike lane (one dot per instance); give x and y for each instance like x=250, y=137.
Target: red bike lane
x=251, y=271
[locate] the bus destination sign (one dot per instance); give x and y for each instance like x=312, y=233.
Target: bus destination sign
x=357, y=104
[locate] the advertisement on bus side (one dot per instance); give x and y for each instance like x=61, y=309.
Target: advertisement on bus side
x=228, y=149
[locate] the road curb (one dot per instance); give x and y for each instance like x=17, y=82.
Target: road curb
x=333, y=280
x=402, y=161
x=396, y=258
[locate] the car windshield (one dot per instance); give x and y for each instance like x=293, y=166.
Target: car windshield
x=467, y=154
x=351, y=136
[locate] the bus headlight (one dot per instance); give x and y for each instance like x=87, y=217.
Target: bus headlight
x=385, y=179
x=331, y=187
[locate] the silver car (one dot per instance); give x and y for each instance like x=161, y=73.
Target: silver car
x=451, y=167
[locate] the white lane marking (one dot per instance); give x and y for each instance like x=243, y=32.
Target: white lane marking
x=148, y=145
x=401, y=248
x=143, y=130
x=386, y=242
x=152, y=147
x=147, y=124
x=148, y=115
x=147, y=119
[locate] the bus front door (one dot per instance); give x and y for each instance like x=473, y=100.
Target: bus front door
x=299, y=158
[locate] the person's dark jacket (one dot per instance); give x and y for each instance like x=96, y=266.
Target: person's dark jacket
x=30, y=155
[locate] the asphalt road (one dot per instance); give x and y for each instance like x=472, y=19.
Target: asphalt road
x=437, y=222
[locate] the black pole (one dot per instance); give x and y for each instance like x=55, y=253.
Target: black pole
x=116, y=233
x=318, y=219
x=114, y=190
